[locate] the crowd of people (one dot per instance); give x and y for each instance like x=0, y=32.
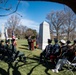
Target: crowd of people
x=8, y=50
x=59, y=53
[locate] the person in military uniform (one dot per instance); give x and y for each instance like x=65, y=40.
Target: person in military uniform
x=8, y=48
x=74, y=46
x=67, y=43
x=46, y=53
x=68, y=56
x=15, y=52
x=55, y=51
x=2, y=49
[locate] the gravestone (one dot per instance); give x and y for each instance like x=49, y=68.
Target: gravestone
x=44, y=34
x=2, y=32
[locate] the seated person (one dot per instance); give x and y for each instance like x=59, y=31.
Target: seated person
x=2, y=48
x=8, y=48
x=63, y=48
x=47, y=51
x=15, y=52
x=69, y=56
x=55, y=51
x=74, y=46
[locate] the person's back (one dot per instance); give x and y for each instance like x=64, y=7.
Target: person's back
x=2, y=47
x=74, y=45
x=47, y=51
x=29, y=39
x=56, y=48
x=70, y=54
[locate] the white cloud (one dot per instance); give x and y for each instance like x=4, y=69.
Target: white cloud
x=30, y=24
x=26, y=22
x=2, y=21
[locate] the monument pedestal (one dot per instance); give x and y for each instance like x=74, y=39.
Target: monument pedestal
x=2, y=33
x=44, y=34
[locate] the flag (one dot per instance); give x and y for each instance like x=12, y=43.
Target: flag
x=13, y=35
x=5, y=33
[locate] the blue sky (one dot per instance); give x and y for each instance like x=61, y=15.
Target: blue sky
x=33, y=13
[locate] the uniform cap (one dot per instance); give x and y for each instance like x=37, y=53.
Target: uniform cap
x=75, y=41
x=68, y=42
x=55, y=40
x=2, y=40
x=49, y=40
x=63, y=41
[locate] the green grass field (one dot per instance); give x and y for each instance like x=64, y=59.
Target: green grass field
x=32, y=66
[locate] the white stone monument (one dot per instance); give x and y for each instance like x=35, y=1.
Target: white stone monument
x=44, y=34
x=2, y=32
x=6, y=33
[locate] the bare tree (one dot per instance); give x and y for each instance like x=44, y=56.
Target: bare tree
x=21, y=31
x=70, y=24
x=12, y=23
x=56, y=20
x=3, y=4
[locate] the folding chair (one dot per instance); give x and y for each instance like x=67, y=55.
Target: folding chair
x=71, y=65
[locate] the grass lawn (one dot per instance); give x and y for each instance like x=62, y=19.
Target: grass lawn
x=32, y=66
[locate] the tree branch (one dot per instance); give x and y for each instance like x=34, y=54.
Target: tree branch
x=10, y=9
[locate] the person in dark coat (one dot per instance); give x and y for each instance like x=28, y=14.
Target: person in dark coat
x=47, y=51
x=55, y=51
x=2, y=48
x=29, y=42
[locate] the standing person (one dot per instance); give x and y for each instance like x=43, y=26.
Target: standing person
x=14, y=39
x=13, y=47
x=29, y=42
x=37, y=41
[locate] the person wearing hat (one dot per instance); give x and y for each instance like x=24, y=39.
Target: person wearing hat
x=2, y=48
x=15, y=52
x=14, y=42
x=74, y=46
x=63, y=47
x=68, y=42
x=69, y=56
x=46, y=52
x=29, y=42
x=8, y=48
x=55, y=51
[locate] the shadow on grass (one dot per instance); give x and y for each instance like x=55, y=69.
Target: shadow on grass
x=36, y=58
x=24, y=45
x=3, y=72
x=46, y=71
x=32, y=69
x=49, y=65
x=15, y=68
x=23, y=48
